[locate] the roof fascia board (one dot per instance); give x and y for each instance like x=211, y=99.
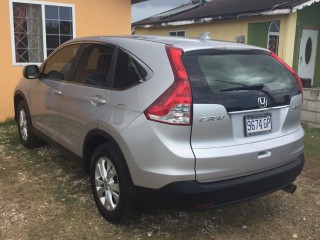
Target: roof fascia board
x=216, y=18
x=299, y=7
x=277, y=12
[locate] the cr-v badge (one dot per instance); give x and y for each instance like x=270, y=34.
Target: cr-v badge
x=211, y=118
x=262, y=102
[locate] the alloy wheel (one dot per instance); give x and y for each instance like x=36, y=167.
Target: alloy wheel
x=107, y=184
x=23, y=124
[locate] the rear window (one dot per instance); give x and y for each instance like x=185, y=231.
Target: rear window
x=219, y=73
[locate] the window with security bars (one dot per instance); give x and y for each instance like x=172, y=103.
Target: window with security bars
x=33, y=40
x=273, y=36
x=27, y=20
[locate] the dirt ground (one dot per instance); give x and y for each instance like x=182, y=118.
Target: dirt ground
x=45, y=196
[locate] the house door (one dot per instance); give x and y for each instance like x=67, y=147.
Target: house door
x=307, y=54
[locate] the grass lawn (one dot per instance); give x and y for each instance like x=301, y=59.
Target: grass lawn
x=43, y=195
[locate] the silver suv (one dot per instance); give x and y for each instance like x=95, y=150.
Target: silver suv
x=188, y=123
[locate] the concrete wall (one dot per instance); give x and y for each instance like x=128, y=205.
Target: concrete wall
x=311, y=107
x=95, y=17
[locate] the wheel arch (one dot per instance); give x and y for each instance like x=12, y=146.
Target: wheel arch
x=18, y=97
x=95, y=138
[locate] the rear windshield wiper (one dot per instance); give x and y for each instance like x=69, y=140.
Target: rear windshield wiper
x=245, y=87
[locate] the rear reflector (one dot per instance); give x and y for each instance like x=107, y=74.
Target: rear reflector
x=272, y=54
x=174, y=105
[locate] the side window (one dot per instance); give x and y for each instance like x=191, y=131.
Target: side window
x=59, y=65
x=94, y=65
x=128, y=71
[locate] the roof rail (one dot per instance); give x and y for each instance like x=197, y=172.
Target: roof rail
x=205, y=36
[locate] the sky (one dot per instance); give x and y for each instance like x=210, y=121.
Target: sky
x=146, y=9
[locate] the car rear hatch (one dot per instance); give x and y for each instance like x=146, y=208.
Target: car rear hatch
x=246, y=112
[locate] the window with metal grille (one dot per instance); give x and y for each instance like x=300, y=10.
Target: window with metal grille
x=37, y=29
x=273, y=36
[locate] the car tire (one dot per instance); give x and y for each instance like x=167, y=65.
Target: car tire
x=26, y=135
x=110, y=184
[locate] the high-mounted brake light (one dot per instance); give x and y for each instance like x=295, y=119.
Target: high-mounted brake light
x=272, y=54
x=174, y=105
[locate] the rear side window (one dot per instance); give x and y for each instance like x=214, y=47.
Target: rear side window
x=59, y=65
x=94, y=65
x=220, y=73
x=128, y=71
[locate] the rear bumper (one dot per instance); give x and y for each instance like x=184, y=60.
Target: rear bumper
x=194, y=195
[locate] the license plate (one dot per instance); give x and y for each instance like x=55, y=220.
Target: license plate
x=257, y=124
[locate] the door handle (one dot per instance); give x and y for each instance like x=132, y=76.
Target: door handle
x=98, y=100
x=56, y=92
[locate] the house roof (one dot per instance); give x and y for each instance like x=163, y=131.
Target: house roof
x=297, y=5
x=298, y=2
x=221, y=10
x=137, y=1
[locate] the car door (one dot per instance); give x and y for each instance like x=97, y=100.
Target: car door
x=47, y=90
x=84, y=99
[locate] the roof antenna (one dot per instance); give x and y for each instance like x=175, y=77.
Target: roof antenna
x=205, y=36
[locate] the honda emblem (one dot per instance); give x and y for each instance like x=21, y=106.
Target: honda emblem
x=262, y=102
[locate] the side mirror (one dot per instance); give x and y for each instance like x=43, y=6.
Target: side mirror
x=31, y=72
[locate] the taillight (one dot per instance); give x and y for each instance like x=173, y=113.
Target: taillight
x=174, y=105
x=272, y=54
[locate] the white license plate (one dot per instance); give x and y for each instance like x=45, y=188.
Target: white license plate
x=257, y=124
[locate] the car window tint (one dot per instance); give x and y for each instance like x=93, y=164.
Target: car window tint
x=211, y=74
x=225, y=71
x=59, y=65
x=128, y=71
x=94, y=65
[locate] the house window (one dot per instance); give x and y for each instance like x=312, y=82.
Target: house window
x=58, y=26
x=273, y=36
x=38, y=28
x=180, y=33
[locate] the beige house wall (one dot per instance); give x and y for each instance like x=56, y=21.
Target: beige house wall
x=95, y=17
x=228, y=30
